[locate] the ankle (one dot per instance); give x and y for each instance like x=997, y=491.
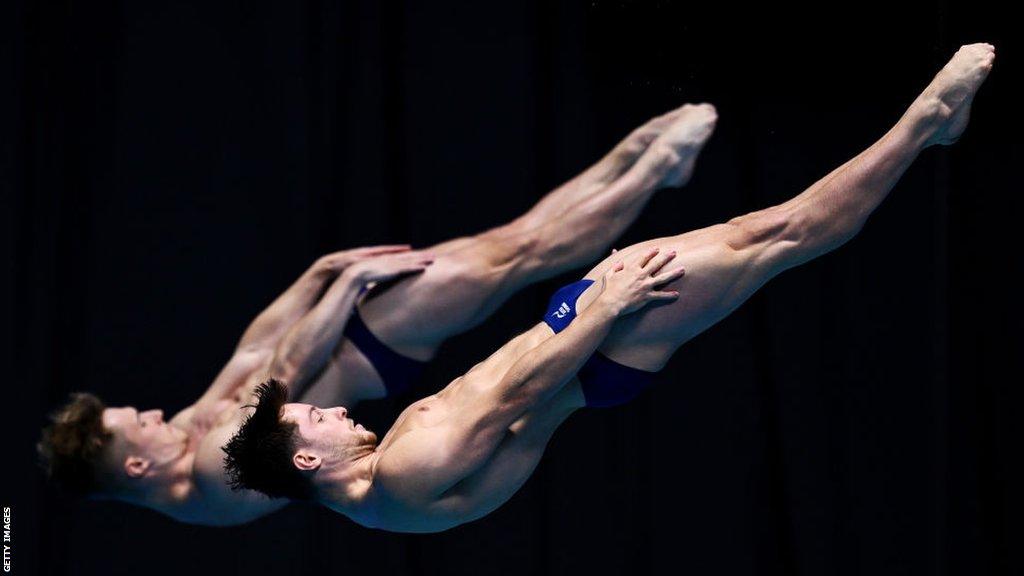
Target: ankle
x=925, y=118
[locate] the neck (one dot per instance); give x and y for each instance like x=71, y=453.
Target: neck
x=346, y=484
x=170, y=489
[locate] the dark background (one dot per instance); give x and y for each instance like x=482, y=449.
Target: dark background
x=169, y=167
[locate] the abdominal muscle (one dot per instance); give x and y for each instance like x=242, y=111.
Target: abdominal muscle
x=510, y=465
x=466, y=389
x=381, y=509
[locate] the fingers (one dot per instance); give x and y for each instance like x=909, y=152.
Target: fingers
x=659, y=261
x=424, y=257
x=403, y=267
x=664, y=295
x=413, y=265
x=390, y=266
x=648, y=256
x=609, y=273
x=666, y=277
x=408, y=256
x=384, y=249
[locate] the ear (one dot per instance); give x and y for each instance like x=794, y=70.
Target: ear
x=135, y=466
x=306, y=460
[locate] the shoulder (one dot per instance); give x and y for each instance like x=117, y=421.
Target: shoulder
x=223, y=505
x=417, y=462
x=208, y=468
x=182, y=419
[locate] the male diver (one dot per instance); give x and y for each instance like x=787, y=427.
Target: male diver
x=335, y=342
x=457, y=455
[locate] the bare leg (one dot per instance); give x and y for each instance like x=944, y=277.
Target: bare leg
x=727, y=263
x=571, y=226
x=472, y=276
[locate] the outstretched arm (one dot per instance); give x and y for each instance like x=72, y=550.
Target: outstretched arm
x=430, y=463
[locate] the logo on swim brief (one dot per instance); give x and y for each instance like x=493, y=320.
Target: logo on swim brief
x=562, y=310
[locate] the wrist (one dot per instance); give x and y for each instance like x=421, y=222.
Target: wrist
x=320, y=273
x=607, y=306
x=330, y=266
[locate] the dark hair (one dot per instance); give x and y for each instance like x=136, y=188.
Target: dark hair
x=73, y=444
x=259, y=455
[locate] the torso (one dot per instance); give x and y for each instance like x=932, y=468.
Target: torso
x=348, y=377
x=212, y=502
x=221, y=505
x=383, y=508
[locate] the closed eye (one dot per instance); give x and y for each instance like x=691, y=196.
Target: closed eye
x=321, y=419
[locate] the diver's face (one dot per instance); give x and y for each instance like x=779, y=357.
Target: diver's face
x=327, y=431
x=144, y=435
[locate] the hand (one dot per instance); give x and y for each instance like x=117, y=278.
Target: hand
x=389, y=266
x=627, y=288
x=336, y=262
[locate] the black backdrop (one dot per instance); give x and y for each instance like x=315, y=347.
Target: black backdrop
x=171, y=166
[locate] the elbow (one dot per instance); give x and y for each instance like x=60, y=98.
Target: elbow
x=511, y=403
x=518, y=388
x=283, y=369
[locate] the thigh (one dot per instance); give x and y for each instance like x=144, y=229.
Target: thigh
x=348, y=378
x=468, y=281
x=721, y=273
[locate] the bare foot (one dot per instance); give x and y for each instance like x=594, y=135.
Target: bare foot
x=945, y=105
x=626, y=152
x=683, y=140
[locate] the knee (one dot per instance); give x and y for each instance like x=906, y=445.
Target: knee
x=768, y=226
x=510, y=246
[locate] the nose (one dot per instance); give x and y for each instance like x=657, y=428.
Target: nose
x=342, y=412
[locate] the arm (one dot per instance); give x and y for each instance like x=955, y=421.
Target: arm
x=293, y=303
x=424, y=465
x=307, y=346
x=428, y=464
x=268, y=327
x=254, y=351
x=256, y=344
